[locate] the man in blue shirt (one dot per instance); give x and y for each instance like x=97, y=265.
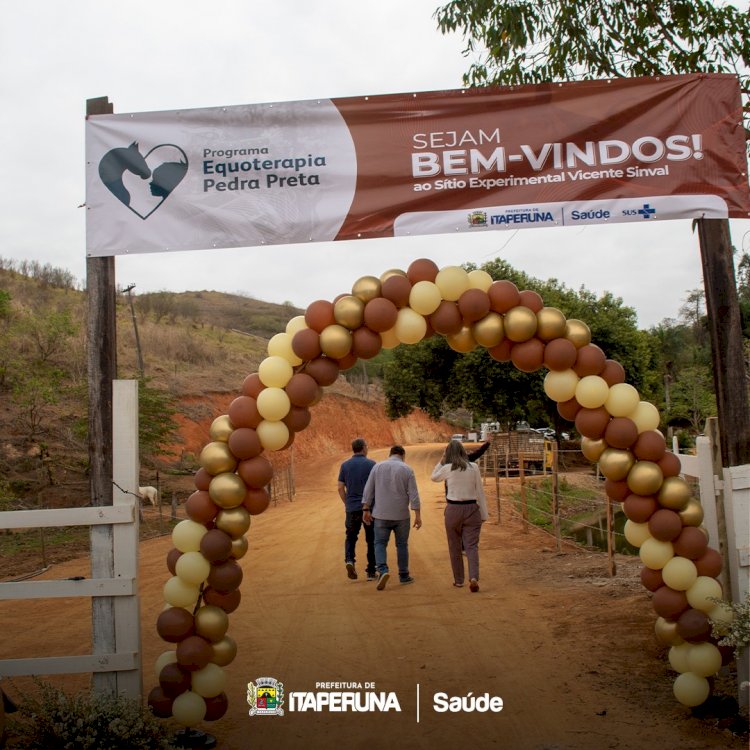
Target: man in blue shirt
x=353, y=476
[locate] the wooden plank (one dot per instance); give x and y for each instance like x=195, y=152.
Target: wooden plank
x=68, y=589
x=53, y=517
x=101, y=663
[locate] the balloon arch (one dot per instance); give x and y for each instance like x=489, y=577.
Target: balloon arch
x=470, y=309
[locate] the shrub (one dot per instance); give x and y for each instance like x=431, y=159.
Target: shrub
x=52, y=720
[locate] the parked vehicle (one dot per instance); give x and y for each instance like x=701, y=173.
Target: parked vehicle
x=458, y=436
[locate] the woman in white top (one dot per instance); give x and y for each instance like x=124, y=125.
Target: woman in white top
x=465, y=511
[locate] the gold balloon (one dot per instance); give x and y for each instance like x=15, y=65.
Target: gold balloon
x=645, y=478
x=666, y=632
x=489, y=331
x=577, y=332
x=349, y=312
x=239, y=547
x=221, y=429
x=224, y=651
x=550, y=324
x=615, y=464
x=335, y=341
x=675, y=494
x=211, y=622
x=463, y=341
x=520, y=323
x=366, y=288
x=227, y=490
x=233, y=521
x=391, y=272
x=692, y=513
x=216, y=458
x=592, y=449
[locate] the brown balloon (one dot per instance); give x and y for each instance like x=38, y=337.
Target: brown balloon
x=172, y=557
x=473, y=304
x=243, y=412
x=651, y=579
x=297, y=419
x=160, y=703
x=639, y=508
x=174, y=624
x=381, y=314
x=324, y=370
x=709, y=564
x=650, y=446
x=590, y=361
x=668, y=603
x=560, y=354
x=569, y=409
x=504, y=295
x=616, y=490
x=592, y=423
x=302, y=389
x=228, y=602
x=319, y=315
x=174, y=679
x=306, y=344
x=366, y=343
x=256, y=500
x=531, y=299
x=502, y=351
x=244, y=443
x=252, y=385
x=613, y=372
x=422, y=269
x=202, y=479
x=396, y=289
x=621, y=433
x=216, y=707
x=216, y=546
x=225, y=577
x=528, y=356
x=193, y=653
x=694, y=626
x=665, y=525
x=255, y=472
x=200, y=508
x=691, y=543
x=347, y=362
x=669, y=464
x=447, y=319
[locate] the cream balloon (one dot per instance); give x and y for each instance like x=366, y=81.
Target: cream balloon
x=666, y=632
x=275, y=372
x=295, y=325
x=168, y=657
x=479, y=279
x=273, y=404
x=679, y=573
x=452, y=281
x=591, y=391
x=280, y=345
x=678, y=657
x=273, y=436
x=704, y=659
x=656, y=554
x=188, y=709
x=425, y=297
x=187, y=535
x=209, y=681
x=178, y=593
x=690, y=689
x=636, y=533
x=721, y=616
x=389, y=338
x=703, y=593
x=560, y=385
x=645, y=416
x=410, y=326
x=622, y=400
x=192, y=568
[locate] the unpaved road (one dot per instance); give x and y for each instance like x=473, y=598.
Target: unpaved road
x=570, y=651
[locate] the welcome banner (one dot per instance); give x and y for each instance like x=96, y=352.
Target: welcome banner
x=470, y=160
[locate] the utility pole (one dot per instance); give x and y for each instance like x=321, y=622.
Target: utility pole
x=139, y=353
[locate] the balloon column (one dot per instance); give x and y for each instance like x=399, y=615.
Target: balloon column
x=469, y=309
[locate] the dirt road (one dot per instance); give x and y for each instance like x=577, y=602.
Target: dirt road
x=570, y=651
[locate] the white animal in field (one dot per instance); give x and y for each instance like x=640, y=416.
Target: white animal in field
x=149, y=493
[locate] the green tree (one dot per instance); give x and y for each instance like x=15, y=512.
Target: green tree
x=560, y=40
x=157, y=427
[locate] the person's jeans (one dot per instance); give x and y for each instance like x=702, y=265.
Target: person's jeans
x=353, y=525
x=400, y=530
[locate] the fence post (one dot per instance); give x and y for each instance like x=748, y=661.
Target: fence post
x=524, y=506
x=556, y=498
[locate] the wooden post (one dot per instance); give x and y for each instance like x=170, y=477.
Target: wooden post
x=524, y=505
x=723, y=313
x=611, y=565
x=556, y=498
x=102, y=370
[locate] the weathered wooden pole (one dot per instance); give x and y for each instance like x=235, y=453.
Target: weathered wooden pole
x=102, y=370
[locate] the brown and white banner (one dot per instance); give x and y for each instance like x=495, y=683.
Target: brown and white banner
x=470, y=160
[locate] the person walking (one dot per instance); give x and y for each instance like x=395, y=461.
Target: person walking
x=390, y=492
x=465, y=511
x=353, y=475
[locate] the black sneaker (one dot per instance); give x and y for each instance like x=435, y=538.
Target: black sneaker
x=382, y=580
x=407, y=580
x=350, y=571
x=372, y=576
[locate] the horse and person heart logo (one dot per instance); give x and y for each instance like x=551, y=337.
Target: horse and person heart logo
x=142, y=182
